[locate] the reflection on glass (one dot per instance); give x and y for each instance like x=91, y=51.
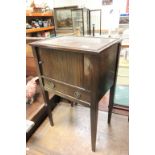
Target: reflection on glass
x=64, y=18
x=122, y=85
x=80, y=19
x=95, y=20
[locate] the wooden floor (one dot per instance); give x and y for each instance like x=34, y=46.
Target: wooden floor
x=71, y=134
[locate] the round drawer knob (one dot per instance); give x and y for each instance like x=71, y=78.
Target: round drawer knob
x=52, y=85
x=40, y=62
x=77, y=94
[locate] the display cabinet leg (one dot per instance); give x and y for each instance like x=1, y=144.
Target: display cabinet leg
x=111, y=103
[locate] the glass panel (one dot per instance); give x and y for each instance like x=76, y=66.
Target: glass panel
x=77, y=21
x=122, y=86
x=85, y=21
x=95, y=20
x=64, y=19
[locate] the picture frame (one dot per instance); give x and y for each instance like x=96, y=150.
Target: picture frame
x=124, y=19
x=63, y=18
x=107, y=2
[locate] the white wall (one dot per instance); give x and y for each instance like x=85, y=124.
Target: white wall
x=109, y=21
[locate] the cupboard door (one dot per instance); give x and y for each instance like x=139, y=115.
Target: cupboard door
x=62, y=66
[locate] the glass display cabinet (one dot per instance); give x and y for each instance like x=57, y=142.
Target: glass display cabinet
x=81, y=21
x=95, y=22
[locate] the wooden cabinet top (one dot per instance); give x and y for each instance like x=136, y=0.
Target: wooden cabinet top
x=92, y=45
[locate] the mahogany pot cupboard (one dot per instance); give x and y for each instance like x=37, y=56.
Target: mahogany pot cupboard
x=81, y=69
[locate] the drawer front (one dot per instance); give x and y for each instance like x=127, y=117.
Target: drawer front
x=72, y=91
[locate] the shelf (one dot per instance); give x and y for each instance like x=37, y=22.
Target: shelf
x=33, y=109
x=34, y=38
x=38, y=14
x=37, y=111
x=39, y=29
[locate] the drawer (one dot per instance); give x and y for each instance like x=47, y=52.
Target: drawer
x=65, y=89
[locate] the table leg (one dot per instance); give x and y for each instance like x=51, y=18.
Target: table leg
x=112, y=89
x=111, y=102
x=46, y=99
x=93, y=121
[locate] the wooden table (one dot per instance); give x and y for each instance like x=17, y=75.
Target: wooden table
x=81, y=69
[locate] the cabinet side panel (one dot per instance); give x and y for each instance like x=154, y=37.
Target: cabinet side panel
x=108, y=59
x=62, y=66
x=30, y=62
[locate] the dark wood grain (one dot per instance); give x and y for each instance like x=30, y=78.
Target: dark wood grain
x=81, y=69
x=66, y=67
x=107, y=62
x=112, y=90
x=94, y=80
